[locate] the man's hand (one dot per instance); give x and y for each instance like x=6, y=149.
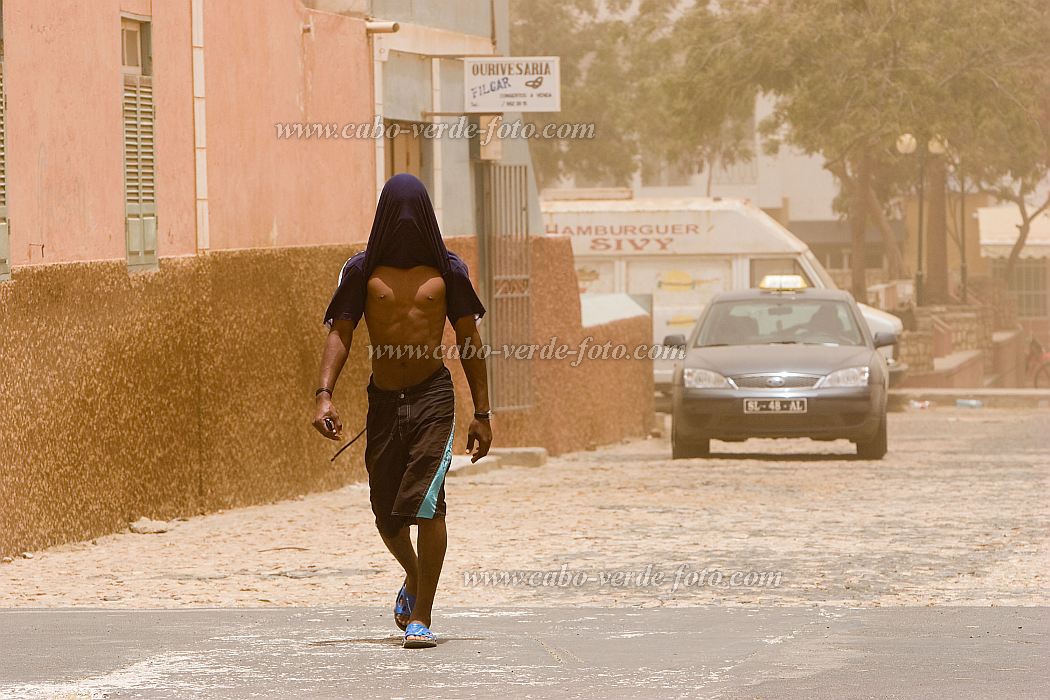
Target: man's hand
x=336, y=350
x=467, y=337
x=481, y=432
x=326, y=420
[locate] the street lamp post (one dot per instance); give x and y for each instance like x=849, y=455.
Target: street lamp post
x=906, y=145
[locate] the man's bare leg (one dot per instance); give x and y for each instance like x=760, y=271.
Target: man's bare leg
x=400, y=545
x=431, y=542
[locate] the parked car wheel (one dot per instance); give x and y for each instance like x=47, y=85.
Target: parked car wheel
x=683, y=449
x=875, y=448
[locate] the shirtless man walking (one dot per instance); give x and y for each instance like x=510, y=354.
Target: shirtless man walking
x=405, y=284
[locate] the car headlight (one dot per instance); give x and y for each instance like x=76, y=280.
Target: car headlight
x=851, y=376
x=703, y=379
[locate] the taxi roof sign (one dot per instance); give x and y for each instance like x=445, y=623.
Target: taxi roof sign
x=782, y=283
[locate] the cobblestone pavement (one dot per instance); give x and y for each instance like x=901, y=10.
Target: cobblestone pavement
x=955, y=515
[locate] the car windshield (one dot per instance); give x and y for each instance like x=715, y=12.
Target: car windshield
x=780, y=320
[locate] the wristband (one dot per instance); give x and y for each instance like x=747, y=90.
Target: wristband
x=323, y=390
x=483, y=415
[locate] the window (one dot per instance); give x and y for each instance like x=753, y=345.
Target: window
x=760, y=267
x=1028, y=285
x=780, y=320
x=136, y=46
x=140, y=193
x=131, y=45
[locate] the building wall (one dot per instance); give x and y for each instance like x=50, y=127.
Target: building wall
x=788, y=178
x=262, y=68
x=460, y=16
x=65, y=129
x=173, y=105
x=164, y=394
x=598, y=401
x=190, y=389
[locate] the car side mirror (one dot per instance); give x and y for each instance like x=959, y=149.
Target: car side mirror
x=883, y=339
x=674, y=341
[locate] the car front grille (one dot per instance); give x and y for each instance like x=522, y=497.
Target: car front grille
x=779, y=381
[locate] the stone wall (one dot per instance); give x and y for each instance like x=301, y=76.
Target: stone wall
x=944, y=331
x=190, y=389
x=915, y=349
x=965, y=327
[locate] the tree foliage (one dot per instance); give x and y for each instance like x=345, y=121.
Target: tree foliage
x=850, y=76
x=609, y=52
x=593, y=71
x=678, y=82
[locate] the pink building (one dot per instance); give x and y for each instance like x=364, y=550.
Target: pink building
x=165, y=256
x=125, y=117
x=161, y=249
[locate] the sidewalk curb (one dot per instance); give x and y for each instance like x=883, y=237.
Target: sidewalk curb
x=991, y=398
x=520, y=456
x=497, y=458
x=462, y=466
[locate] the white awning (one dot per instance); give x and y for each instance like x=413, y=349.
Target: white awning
x=998, y=227
x=596, y=309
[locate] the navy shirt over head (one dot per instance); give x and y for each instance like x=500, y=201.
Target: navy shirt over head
x=404, y=234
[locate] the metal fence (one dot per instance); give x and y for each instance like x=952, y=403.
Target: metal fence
x=506, y=267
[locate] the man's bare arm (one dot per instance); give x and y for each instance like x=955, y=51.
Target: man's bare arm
x=336, y=350
x=469, y=341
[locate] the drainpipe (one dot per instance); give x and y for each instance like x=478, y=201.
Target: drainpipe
x=200, y=126
x=378, y=59
x=435, y=102
x=379, y=56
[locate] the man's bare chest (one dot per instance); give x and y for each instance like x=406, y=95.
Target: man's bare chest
x=395, y=294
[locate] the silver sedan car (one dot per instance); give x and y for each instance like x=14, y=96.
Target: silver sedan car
x=780, y=363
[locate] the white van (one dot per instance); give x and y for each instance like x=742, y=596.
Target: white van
x=673, y=255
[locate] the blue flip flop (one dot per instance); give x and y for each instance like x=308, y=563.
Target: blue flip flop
x=403, y=606
x=418, y=629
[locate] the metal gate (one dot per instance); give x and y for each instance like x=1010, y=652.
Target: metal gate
x=504, y=209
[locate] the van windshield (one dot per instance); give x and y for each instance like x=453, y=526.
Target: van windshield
x=780, y=320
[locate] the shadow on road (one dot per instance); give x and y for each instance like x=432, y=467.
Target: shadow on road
x=393, y=640
x=786, y=457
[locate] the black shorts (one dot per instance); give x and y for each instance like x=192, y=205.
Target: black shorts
x=409, y=450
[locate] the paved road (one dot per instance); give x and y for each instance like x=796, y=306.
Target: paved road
x=921, y=575
x=811, y=652
x=955, y=515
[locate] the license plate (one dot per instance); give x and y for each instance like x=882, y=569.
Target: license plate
x=775, y=406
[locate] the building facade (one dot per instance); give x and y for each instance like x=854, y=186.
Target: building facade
x=173, y=216
x=158, y=133
x=154, y=135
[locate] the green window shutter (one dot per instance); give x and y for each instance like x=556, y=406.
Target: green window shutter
x=140, y=188
x=5, y=238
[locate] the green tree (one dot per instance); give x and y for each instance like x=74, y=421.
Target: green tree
x=1005, y=145
x=702, y=120
x=850, y=76
x=592, y=53
x=611, y=52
